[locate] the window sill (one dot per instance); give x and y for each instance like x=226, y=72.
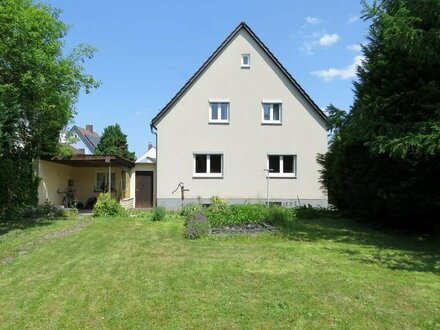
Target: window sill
x=218, y=122
x=245, y=67
x=282, y=176
x=271, y=123
x=207, y=176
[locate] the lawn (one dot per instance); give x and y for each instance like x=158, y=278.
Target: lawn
x=134, y=273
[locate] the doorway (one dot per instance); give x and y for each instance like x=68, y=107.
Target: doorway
x=144, y=189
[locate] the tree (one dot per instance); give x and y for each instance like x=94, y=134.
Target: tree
x=39, y=87
x=384, y=160
x=114, y=142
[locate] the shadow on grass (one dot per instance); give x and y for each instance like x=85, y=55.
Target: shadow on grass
x=388, y=249
x=9, y=225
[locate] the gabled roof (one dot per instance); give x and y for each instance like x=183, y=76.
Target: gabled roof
x=90, y=139
x=212, y=58
x=148, y=157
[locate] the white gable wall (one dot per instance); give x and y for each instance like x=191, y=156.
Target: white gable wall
x=244, y=142
x=81, y=145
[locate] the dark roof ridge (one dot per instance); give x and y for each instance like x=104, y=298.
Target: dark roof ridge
x=211, y=58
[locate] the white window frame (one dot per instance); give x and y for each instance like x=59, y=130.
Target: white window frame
x=219, y=120
x=271, y=121
x=208, y=165
x=281, y=174
x=248, y=56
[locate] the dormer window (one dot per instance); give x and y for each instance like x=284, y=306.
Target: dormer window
x=245, y=60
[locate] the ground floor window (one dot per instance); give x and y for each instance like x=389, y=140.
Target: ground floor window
x=208, y=165
x=102, y=181
x=282, y=165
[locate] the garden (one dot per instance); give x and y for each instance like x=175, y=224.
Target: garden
x=140, y=269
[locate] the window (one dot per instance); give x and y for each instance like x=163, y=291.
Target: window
x=282, y=165
x=219, y=112
x=271, y=113
x=208, y=165
x=123, y=181
x=245, y=60
x=102, y=181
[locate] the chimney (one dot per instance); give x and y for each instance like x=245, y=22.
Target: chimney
x=89, y=128
x=150, y=145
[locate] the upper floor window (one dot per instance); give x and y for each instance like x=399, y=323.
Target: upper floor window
x=245, y=60
x=219, y=112
x=271, y=112
x=208, y=165
x=282, y=165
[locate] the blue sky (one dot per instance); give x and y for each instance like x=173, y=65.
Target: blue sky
x=147, y=50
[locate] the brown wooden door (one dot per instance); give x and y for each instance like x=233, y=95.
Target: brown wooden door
x=144, y=189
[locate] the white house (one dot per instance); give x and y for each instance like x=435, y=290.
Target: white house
x=87, y=139
x=239, y=115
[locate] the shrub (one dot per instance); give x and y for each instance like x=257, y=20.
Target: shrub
x=106, y=206
x=310, y=212
x=280, y=216
x=159, y=213
x=191, y=208
x=197, y=226
x=46, y=210
x=237, y=214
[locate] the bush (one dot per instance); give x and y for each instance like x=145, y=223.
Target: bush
x=46, y=210
x=106, y=206
x=310, y=212
x=280, y=216
x=159, y=213
x=191, y=208
x=237, y=214
x=197, y=225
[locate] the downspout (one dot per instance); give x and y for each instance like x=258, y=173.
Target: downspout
x=153, y=130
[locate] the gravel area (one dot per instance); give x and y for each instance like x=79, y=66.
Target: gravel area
x=249, y=228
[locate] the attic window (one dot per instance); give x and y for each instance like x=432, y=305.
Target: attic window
x=245, y=60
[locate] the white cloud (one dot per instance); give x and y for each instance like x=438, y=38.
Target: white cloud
x=355, y=47
x=329, y=39
x=138, y=113
x=318, y=39
x=347, y=72
x=313, y=20
x=353, y=19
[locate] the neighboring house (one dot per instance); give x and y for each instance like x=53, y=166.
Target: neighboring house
x=149, y=157
x=87, y=139
x=241, y=113
x=84, y=175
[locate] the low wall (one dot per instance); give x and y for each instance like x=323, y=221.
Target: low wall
x=127, y=203
x=176, y=203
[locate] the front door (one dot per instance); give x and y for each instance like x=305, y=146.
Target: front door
x=144, y=189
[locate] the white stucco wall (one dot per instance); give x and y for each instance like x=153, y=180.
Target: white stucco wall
x=244, y=142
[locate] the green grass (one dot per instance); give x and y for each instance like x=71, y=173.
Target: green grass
x=135, y=273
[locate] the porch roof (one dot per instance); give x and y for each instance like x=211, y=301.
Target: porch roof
x=90, y=160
